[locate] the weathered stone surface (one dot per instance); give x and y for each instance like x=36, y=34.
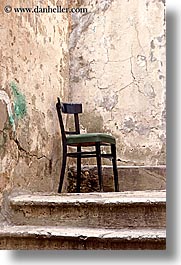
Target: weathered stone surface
x=34, y=71
x=117, y=70
x=113, y=210
x=130, y=178
x=29, y=237
x=2, y=219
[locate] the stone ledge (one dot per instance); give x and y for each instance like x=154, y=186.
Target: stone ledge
x=40, y=199
x=33, y=237
x=108, y=210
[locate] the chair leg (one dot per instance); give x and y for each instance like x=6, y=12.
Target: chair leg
x=78, y=169
x=62, y=174
x=99, y=167
x=113, y=151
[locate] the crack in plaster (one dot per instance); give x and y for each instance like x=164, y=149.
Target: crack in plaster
x=21, y=149
x=134, y=78
x=126, y=86
x=137, y=82
x=137, y=35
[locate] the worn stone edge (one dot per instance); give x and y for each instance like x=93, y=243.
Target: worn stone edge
x=77, y=232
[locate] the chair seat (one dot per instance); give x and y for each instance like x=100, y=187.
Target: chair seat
x=90, y=138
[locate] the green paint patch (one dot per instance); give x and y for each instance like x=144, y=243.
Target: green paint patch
x=11, y=120
x=20, y=109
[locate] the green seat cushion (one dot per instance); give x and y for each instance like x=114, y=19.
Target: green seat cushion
x=90, y=138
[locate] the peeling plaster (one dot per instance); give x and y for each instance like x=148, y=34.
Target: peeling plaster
x=108, y=102
x=19, y=101
x=141, y=60
x=4, y=97
x=126, y=76
x=105, y=4
x=30, y=158
x=81, y=22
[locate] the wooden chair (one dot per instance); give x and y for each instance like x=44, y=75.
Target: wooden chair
x=84, y=140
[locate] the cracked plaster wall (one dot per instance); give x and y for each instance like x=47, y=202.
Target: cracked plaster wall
x=117, y=70
x=34, y=71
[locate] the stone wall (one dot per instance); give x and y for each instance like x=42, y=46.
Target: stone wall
x=34, y=71
x=117, y=70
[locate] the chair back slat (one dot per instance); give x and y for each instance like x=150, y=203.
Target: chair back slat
x=71, y=108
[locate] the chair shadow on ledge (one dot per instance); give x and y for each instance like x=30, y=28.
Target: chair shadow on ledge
x=78, y=140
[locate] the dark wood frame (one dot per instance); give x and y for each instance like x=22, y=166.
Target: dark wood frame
x=75, y=109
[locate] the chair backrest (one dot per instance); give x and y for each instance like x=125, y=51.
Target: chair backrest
x=68, y=108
